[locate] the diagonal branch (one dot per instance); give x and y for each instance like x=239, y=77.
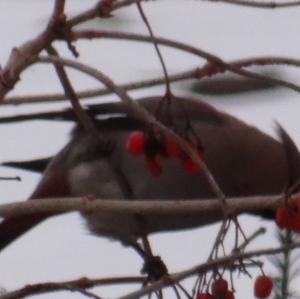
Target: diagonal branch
x=195, y=73
x=190, y=74
x=81, y=114
x=20, y=58
x=82, y=283
x=155, y=286
x=202, y=268
x=260, y=4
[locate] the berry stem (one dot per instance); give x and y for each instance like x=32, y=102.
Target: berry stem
x=144, y=17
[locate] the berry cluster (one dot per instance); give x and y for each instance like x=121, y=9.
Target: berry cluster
x=289, y=217
x=219, y=290
x=263, y=286
x=157, y=147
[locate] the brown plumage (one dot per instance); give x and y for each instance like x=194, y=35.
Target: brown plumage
x=243, y=160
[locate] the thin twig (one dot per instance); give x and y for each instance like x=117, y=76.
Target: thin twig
x=21, y=57
x=196, y=73
x=172, y=279
x=81, y=291
x=88, y=124
x=260, y=4
x=79, y=284
x=98, y=10
x=88, y=94
x=217, y=239
x=216, y=61
x=59, y=7
x=81, y=114
x=15, y=178
x=144, y=17
x=256, y=234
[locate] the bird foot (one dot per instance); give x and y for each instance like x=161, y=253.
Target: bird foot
x=154, y=267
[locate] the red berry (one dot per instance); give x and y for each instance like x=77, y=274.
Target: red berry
x=173, y=149
x=288, y=218
x=229, y=295
x=188, y=164
x=296, y=217
x=136, y=143
x=183, y=156
x=263, y=286
x=153, y=167
x=204, y=296
x=219, y=288
x=296, y=222
x=298, y=205
x=191, y=167
x=284, y=217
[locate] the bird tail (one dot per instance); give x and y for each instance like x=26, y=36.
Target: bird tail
x=37, y=165
x=52, y=184
x=292, y=158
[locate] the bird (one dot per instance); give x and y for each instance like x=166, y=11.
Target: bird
x=243, y=160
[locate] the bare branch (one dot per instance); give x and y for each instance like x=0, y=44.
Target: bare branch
x=59, y=7
x=101, y=9
x=16, y=178
x=81, y=114
x=16, y=100
x=202, y=207
x=202, y=268
x=260, y=4
x=196, y=73
x=145, y=20
x=267, y=60
x=82, y=283
x=216, y=61
x=160, y=208
x=257, y=233
x=22, y=57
